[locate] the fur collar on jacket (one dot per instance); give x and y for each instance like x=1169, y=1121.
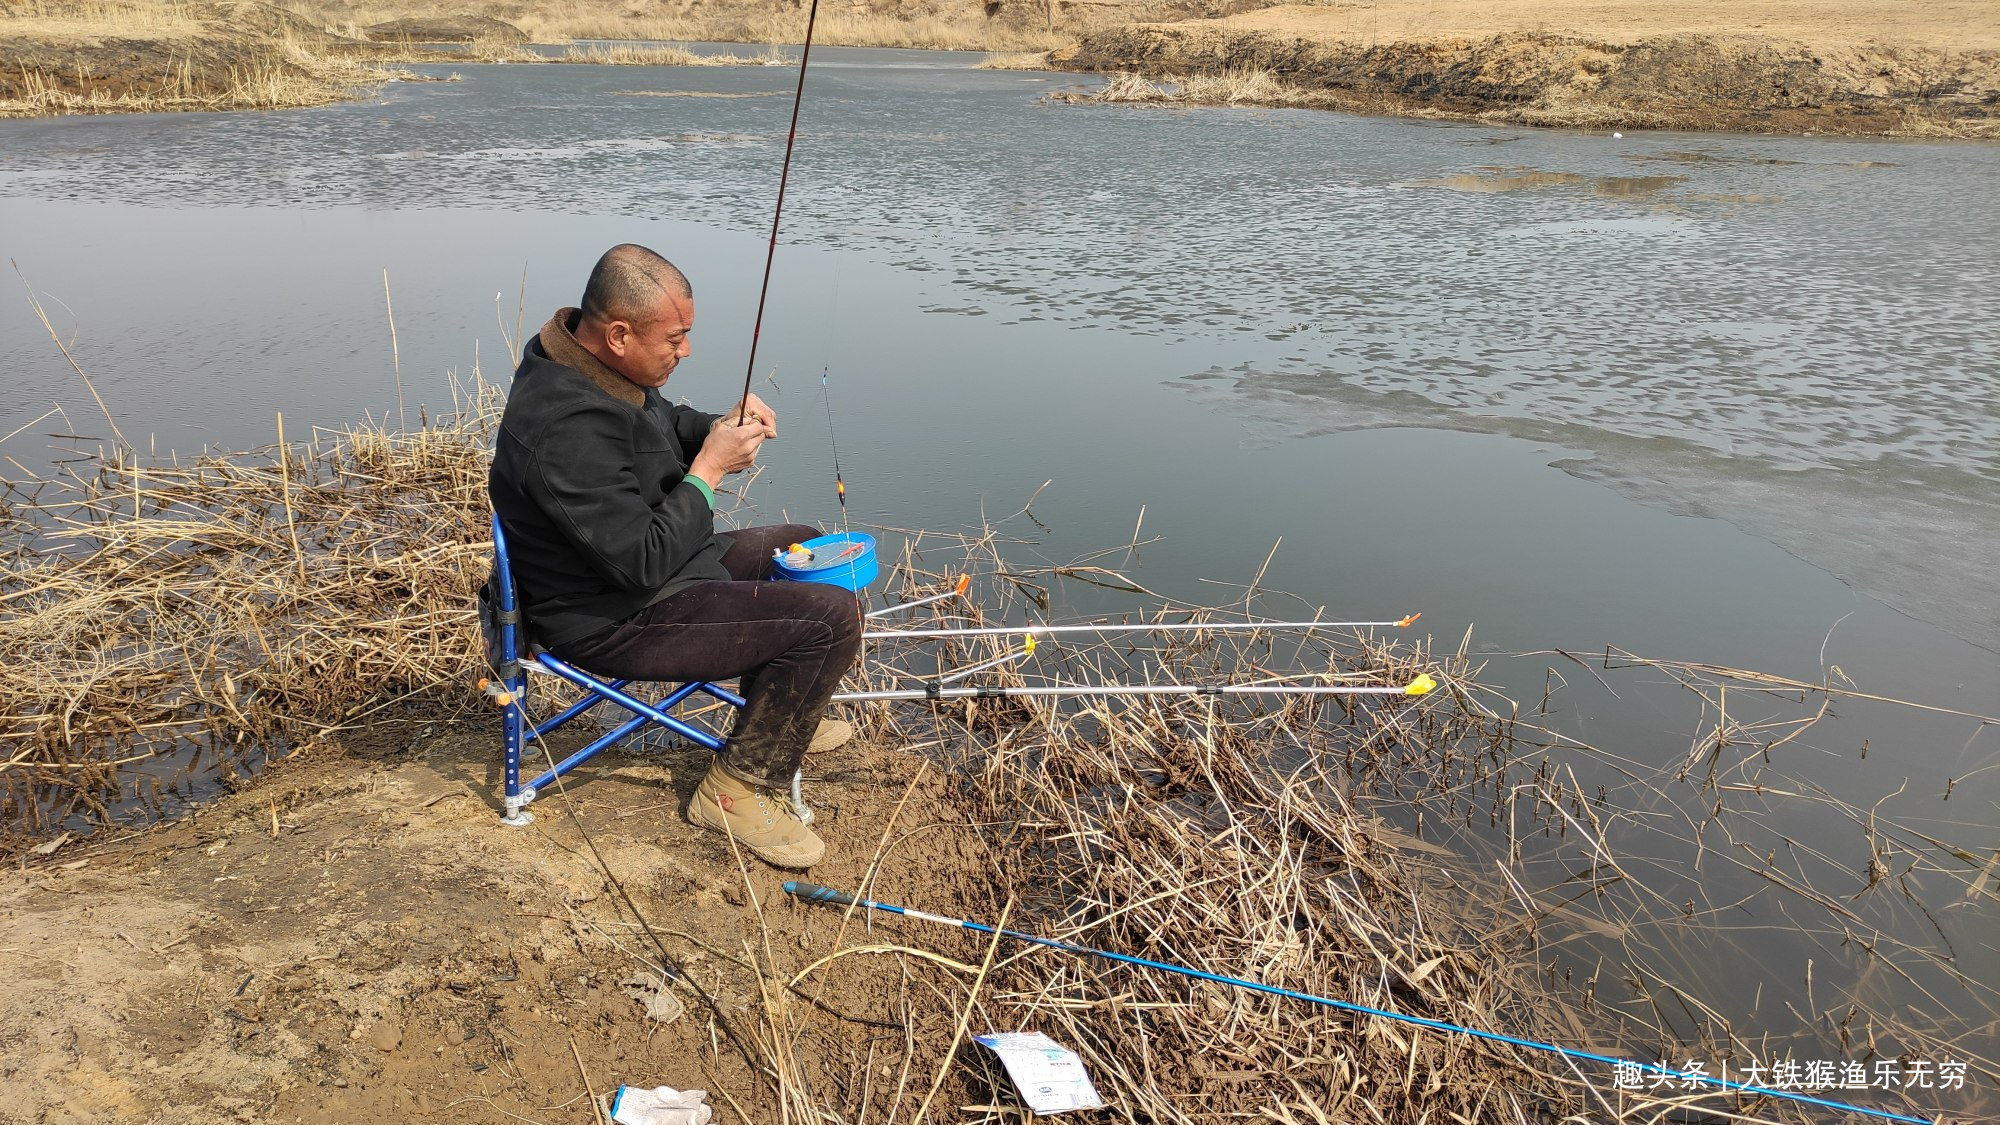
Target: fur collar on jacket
x=559, y=343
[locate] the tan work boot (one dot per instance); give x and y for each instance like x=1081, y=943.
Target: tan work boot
x=760, y=819
x=832, y=733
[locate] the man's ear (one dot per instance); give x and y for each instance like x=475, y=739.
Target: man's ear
x=618, y=337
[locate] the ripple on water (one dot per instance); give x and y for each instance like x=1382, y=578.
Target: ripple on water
x=1758, y=302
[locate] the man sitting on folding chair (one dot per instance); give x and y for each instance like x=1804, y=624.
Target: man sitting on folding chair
x=606, y=493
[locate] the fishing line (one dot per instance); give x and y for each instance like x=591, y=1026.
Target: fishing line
x=784, y=175
x=814, y=893
x=839, y=485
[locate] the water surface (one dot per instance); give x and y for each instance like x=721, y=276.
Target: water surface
x=1715, y=398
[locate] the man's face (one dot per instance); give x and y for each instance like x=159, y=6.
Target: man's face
x=646, y=354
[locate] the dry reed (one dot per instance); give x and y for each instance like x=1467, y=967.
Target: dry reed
x=1014, y=60
x=160, y=609
x=121, y=56
x=1256, y=840
x=558, y=21
x=622, y=54
x=1233, y=87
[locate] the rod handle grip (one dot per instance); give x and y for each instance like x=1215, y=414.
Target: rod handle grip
x=813, y=892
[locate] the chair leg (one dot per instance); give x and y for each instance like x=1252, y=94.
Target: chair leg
x=518, y=731
x=513, y=725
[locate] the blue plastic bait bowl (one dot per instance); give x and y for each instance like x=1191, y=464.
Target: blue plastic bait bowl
x=846, y=560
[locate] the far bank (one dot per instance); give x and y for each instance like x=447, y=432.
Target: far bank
x=1853, y=67
x=1927, y=68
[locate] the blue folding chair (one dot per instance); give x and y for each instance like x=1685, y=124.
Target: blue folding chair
x=502, y=618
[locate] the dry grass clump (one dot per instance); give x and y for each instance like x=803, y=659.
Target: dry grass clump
x=1255, y=840
x=618, y=54
x=1014, y=60
x=495, y=50
x=109, y=56
x=1233, y=87
x=214, y=612
x=97, y=19
x=557, y=21
x=1237, y=838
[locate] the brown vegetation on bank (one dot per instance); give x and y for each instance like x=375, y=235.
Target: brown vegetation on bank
x=1240, y=87
x=1865, y=67
x=110, y=56
x=663, y=54
x=951, y=25
x=1922, y=69
x=221, y=609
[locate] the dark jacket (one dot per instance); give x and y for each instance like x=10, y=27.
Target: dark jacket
x=588, y=482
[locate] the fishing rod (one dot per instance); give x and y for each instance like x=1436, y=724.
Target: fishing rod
x=784, y=176
x=1422, y=685
x=1165, y=627
x=814, y=893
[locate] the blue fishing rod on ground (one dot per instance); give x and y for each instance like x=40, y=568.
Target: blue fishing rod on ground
x=813, y=892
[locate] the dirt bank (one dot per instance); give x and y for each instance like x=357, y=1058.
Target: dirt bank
x=357, y=938
x=1930, y=68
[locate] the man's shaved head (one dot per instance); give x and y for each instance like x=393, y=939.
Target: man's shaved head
x=628, y=283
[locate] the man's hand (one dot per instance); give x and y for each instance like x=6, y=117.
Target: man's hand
x=758, y=411
x=729, y=448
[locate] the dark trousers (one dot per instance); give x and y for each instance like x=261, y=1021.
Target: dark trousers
x=788, y=642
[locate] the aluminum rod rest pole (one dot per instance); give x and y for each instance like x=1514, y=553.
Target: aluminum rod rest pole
x=1418, y=687
x=813, y=892
x=1125, y=627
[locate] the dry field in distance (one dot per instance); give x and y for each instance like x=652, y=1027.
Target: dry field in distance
x=1860, y=67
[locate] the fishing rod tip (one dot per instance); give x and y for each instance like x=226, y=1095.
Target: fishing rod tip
x=1408, y=621
x=1422, y=685
x=964, y=584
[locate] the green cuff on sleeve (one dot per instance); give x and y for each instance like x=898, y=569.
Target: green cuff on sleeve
x=706, y=492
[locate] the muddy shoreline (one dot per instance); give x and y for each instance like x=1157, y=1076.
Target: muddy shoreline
x=356, y=937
